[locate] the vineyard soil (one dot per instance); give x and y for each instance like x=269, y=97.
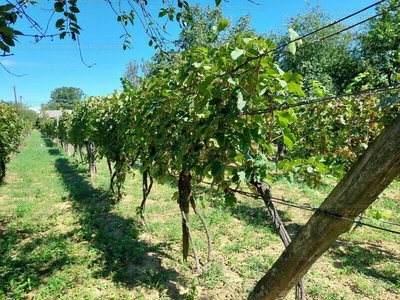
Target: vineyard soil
x=63, y=237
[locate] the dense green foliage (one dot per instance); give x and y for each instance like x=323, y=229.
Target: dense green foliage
x=194, y=119
x=213, y=108
x=16, y=122
x=29, y=116
x=331, y=63
x=49, y=127
x=333, y=133
x=11, y=128
x=380, y=47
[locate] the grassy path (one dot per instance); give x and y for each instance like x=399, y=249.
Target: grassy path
x=61, y=237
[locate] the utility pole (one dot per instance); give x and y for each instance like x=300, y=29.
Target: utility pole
x=15, y=97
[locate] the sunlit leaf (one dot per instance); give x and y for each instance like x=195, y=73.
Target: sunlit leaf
x=235, y=54
x=240, y=102
x=222, y=25
x=291, y=47
x=295, y=88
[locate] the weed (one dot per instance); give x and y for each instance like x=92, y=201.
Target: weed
x=212, y=277
x=23, y=208
x=192, y=293
x=318, y=290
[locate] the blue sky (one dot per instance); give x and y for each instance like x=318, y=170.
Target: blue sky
x=55, y=63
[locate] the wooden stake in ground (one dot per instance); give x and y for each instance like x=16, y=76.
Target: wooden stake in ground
x=203, y=221
x=185, y=193
x=369, y=176
x=185, y=201
x=265, y=192
x=146, y=188
x=92, y=161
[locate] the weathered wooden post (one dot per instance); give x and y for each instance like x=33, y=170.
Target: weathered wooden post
x=369, y=176
x=91, y=157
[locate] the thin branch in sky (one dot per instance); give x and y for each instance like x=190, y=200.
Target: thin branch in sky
x=151, y=26
x=80, y=53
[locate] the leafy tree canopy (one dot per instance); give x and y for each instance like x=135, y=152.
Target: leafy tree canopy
x=64, y=98
x=380, y=46
x=204, y=27
x=332, y=63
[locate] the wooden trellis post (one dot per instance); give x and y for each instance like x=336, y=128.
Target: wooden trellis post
x=369, y=176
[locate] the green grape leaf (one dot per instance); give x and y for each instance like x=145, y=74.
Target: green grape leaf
x=222, y=25
x=291, y=47
x=216, y=168
x=240, y=102
x=59, y=6
x=235, y=54
x=230, y=199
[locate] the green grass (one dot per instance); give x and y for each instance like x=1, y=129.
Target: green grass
x=63, y=237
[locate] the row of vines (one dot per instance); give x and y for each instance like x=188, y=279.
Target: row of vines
x=226, y=116
x=15, y=124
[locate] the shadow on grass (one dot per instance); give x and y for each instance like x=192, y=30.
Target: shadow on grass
x=24, y=266
x=366, y=258
x=54, y=151
x=124, y=258
x=48, y=142
x=52, y=147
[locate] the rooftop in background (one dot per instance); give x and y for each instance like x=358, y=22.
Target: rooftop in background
x=54, y=114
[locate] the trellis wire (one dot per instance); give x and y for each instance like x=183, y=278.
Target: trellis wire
x=309, y=207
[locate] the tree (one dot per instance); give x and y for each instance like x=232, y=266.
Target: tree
x=64, y=98
x=201, y=27
x=380, y=46
x=132, y=72
x=332, y=63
